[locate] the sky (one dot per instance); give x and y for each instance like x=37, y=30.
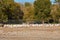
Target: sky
x=31, y=1
x=23, y=1
x=52, y=1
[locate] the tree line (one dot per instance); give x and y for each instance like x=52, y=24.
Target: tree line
x=10, y=10
x=40, y=11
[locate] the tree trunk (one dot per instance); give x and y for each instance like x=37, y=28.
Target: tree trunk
x=2, y=24
x=59, y=20
x=43, y=21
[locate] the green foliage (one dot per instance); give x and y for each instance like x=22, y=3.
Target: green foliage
x=42, y=9
x=3, y=17
x=28, y=12
x=9, y=10
x=55, y=12
x=57, y=0
x=27, y=4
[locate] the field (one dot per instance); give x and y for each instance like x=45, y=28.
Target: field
x=30, y=33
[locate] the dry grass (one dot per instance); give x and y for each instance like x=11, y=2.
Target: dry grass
x=7, y=29
x=30, y=33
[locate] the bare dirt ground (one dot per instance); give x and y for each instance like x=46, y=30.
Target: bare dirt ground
x=30, y=33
